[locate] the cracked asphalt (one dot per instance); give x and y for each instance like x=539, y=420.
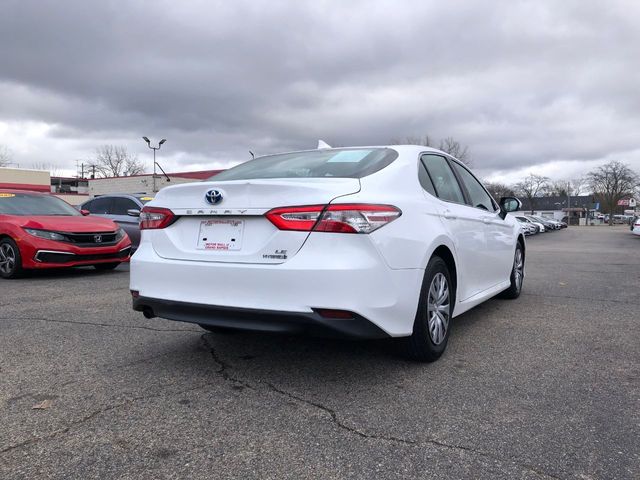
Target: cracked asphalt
x=543, y=387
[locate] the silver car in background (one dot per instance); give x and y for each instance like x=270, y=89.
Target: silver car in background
x=122, y=208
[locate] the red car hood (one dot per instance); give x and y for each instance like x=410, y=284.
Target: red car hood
x=70, y=224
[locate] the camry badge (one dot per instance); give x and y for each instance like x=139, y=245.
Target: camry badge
x=213, y=197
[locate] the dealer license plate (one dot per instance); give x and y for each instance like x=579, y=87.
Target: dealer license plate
x=220, y=235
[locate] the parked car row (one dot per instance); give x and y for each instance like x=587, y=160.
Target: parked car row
x=533, y=224
x=618, y=219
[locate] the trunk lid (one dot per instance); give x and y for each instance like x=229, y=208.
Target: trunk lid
x=235, y=229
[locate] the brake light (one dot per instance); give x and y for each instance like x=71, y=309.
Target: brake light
x=337, y=218
x=153, y=218
x=300, y=219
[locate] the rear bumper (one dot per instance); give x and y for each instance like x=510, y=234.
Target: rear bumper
x=346, y=275
x=311, y=323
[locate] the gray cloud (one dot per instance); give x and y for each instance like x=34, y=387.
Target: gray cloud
x=522, y=83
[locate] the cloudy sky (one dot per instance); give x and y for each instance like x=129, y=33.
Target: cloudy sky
x=544, y=86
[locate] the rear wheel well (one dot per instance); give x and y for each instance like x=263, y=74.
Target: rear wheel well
x=445, y=254
x=521, y=242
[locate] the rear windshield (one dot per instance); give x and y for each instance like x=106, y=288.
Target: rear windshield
x=338, y=162
x=26, y=204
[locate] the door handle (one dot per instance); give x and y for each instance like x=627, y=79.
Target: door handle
x=486, y=220
x=448, y=215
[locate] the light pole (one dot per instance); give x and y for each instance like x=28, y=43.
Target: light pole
x=569, y=204
x=146, y=139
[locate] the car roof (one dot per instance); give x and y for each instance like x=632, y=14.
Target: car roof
x=402, y=149
x=134, y=195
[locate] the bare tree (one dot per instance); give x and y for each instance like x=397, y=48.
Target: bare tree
x=448, y=145
x=578, y=186
x=54, y=170
x=455, y=149
x=557, y=188
x=5, y=156
x=531, y=187
x=115, y=161
x=612, y=182
x=499, y=190
x=563, y=188
x=426, y=140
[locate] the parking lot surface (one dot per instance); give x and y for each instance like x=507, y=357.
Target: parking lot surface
x=546, y=386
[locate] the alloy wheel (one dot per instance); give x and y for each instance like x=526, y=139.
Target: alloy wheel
x=7, y=259
x=438, y=308
x=518, y=268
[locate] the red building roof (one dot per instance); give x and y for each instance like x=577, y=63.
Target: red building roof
x=198, y=175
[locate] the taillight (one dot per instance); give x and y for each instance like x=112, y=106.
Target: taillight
x=295, y=218
x=152, y=218
x=338, y=218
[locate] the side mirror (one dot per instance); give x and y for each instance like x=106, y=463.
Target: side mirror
x=85, y=212
x=133, y=212
x=509, y=204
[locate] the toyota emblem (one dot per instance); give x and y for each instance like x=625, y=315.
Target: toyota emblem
x=213, y=197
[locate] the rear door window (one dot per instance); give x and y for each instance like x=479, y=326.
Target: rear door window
x=478, y=196
x=100, y=206
x=121, y=205
x=425, y=181
x=444, y=181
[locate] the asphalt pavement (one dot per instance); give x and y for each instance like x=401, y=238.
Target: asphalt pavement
x=543, y=387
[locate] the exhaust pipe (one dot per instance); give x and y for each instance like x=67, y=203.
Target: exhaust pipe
x=148, y=312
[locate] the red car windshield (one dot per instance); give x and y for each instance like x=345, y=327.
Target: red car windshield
x=26, y=204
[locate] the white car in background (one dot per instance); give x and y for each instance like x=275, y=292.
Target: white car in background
x=522, y=218
x=366, y=242
x=635, y=226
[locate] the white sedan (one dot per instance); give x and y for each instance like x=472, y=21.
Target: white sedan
x=366, y=242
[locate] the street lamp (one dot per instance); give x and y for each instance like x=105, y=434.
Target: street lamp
x=146, y=139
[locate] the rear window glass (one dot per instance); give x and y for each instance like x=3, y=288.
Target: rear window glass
x=345, y=163
x=26, y=204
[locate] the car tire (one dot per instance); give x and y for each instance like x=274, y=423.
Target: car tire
x=517, y=275
x=10, y=259
x=432, y=324
x=106, y=266
x=221, y=330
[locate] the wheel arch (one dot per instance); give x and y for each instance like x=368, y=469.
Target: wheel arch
x=522, y=244
x=445, y=253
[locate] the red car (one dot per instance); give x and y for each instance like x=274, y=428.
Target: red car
x=39, y=231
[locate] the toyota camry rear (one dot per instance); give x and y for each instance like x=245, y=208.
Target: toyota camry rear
x=329, y=241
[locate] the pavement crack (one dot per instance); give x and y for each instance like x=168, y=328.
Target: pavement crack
x=336, y=420
x=224, y=372
x=97, y=413
x=224, y=367
x=99, y=324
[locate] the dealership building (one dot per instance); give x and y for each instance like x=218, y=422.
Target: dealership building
x=146, y=184
x=78, y=190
